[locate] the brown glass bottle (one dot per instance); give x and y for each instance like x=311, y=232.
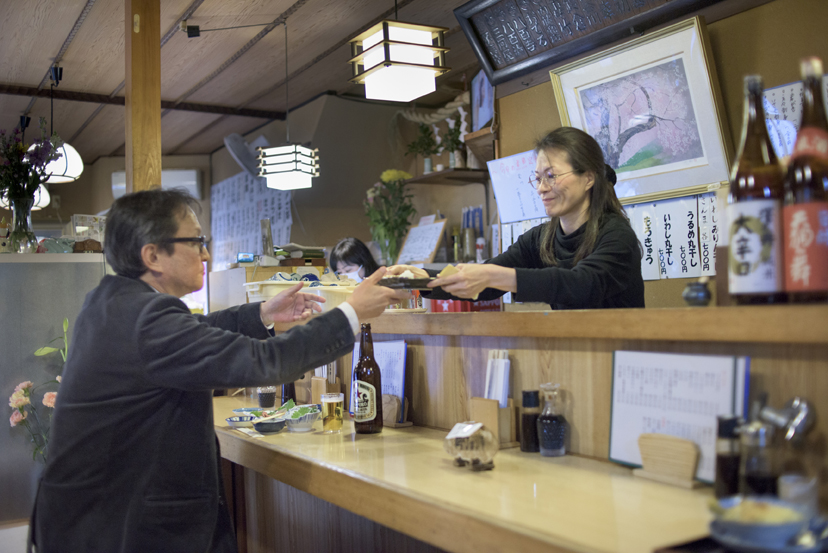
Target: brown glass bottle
x=805, y=210
x=754, y=210
x=288, y=392
x=368, y=383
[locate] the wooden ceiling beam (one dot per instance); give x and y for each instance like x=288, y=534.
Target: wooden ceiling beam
x=68, y=95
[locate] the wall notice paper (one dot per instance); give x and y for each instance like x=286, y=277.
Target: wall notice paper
x=390, y=356
x=517, y=200
x=678, y=231
x=421, y=243
x=783, y=114
x=238, y=205
x=674, y=394
x=642, y=219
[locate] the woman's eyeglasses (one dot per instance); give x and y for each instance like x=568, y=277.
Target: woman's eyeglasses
x=548, y=177
x=202, y=241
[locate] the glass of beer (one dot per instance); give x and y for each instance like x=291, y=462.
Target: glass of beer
x=332, y=405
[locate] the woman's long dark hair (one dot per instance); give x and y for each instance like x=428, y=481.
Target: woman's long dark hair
x=585, y=156
x=353, y=251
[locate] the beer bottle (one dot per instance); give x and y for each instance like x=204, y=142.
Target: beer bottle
x=753, y=211
x=368, y=394
x=805, y=210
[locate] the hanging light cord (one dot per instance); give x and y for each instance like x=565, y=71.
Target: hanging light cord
x=287, y=93
x=396, y=15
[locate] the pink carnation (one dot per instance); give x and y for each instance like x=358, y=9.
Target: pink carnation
x=49, y=399
x=18, y=400
x=16, y=418
x=23, y=385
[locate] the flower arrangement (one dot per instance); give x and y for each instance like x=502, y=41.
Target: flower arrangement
x=389, y=208
x=22, y=169
x=23, y=403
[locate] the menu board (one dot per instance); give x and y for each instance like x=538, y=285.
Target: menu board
x=517, y=199
x=783, y=114
x=238, y=205
x=421, y=243
x=390, y=357
x=674, y=394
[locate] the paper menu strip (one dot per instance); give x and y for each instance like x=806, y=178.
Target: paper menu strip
x=421, y=243
x=674, y=394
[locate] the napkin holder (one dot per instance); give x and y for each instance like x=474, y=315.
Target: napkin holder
x=668, y=459
x=320, y=385
x=501, y=421
x=391, y=412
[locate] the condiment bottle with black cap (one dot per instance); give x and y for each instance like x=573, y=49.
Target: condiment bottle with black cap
x=529, y=422
x=727, y=456
x=757, y=471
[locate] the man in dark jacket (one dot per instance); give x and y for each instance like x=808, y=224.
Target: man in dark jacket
x=133, y=455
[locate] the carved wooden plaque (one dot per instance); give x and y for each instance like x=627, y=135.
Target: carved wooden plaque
x=514, y=37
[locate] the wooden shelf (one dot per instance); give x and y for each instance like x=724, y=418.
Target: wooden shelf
x=453, y=177
x=755, y=324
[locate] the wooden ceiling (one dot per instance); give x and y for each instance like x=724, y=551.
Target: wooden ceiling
x=228, y=70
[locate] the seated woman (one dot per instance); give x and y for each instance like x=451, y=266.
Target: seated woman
x=587, y=256
x=352, y=258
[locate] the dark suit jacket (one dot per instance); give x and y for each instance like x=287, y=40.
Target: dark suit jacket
x=132, y=456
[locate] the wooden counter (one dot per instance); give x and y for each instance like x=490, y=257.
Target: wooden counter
x=404, y=480
x=806, y=324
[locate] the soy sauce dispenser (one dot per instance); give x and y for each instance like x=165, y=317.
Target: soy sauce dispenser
x=552, y=425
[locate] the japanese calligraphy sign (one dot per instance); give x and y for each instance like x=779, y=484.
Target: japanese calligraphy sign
x=514, y=37
x=677, y=227
x=783, y=113
x=643, y=220
x=710, y=230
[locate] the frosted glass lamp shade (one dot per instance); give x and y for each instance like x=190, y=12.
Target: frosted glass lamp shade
x=289, y=167
x=398, y=61
x=67, y=168
x=42, y=199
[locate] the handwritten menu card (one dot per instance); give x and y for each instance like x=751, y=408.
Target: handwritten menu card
x=674, y=394
x=643, y=220
x=709, y=232
x=677, y=227
x=421, y=243
x=390, y=356
x=516, y=199
x=238, y=206
x=783, y=113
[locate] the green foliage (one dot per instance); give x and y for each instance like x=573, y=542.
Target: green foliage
x=425, y=144
x=451, y=138
x=45, y=350
x=389, y=209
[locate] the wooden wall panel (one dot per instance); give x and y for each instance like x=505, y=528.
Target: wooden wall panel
x=282, y=518
x=443, y=372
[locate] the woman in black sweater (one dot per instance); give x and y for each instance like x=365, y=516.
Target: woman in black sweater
x=586, y=257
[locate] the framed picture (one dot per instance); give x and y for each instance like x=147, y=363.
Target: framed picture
x=654, y=106
x=482, y=97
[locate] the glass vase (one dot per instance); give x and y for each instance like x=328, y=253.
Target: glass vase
x=22, y=238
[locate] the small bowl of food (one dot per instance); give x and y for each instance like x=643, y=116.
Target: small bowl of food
x=765, y=521
x=269, y=426
x=301, y=419
x=241, y=421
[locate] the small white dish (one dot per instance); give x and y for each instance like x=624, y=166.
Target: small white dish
x=303, y=423
x=241, y=411
x=242, y=421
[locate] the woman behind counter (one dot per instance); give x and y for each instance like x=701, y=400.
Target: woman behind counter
x=586, y=257
x=352, y=258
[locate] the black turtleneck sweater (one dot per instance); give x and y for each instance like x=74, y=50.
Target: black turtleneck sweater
x=608, y=277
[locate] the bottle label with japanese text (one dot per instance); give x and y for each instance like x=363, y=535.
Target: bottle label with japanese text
x=811, y=141
x=755, y=263
x=805, y=227
x=366, y=402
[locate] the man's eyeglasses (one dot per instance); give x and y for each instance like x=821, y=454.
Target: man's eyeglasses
x=551, y=179
x=202, y=241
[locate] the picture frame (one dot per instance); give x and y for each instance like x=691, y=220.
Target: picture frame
x=655, y=107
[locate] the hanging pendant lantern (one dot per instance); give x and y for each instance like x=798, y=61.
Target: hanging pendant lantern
x=398, y=61
x=288, y=167
x=42, y=198
x=292, y=166
x=67, y=168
